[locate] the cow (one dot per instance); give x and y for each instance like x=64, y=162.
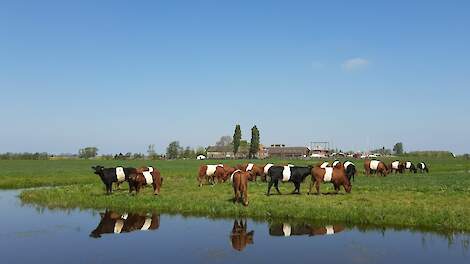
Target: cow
x=266, y=169
x=146, y=176
x=397, y=167
x=239, y=237
x=410, y=167
x=288, y=230
x=239, y=181
x=295, y=174
x=228, y=170
x=375, y=166
x=336, y=162
x=422, y=167
x=116, y=223
x=110, y=175
x=210, y=172
x=350, y=170
x=254, y=171
x=336, y=175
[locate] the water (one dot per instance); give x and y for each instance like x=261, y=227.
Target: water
x=32, y=234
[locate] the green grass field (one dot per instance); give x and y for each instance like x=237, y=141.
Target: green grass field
x=439, y=200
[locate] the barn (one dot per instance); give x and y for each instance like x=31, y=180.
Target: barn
x=281, y=151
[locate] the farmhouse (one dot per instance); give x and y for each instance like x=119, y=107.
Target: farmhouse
x=226, y=152
x=281, y=151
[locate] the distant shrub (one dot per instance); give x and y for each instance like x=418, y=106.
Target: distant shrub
x=431, y=154
x=24, y=156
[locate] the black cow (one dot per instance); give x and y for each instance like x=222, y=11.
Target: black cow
x=294, y=174
x=410, y=166
x=110, y=175
x=422, y=167
x=350, y=169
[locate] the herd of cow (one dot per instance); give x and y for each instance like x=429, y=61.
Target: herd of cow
x=337, y=173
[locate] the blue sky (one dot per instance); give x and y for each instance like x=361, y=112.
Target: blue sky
x=120, y=75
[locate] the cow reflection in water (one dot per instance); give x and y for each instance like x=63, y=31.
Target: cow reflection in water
x=116, y=223
x=305, y=229
x=239, y=237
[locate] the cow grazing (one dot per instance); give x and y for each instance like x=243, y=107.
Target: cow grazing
x=146, y=176
x=410, y=167
x=288, y=230
x=239, y=237
x=210, y=172
x=228, y=170
x=422, y=167
x=295, y=174
x=115, y=223
x=350, y=170
x=336, y=175
x=375, y=166
x=253, y=169
x=397, y=167
x=110, y=175
x=239, y=181
x=336, y=162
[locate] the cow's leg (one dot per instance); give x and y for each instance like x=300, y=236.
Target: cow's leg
x=317, y=186
x=131, y=187
x=109, y=188
x=235, y=194
x=336, y=188
x=154, y=185
x=245, y=198
x=270, y=184
x=296, y=188
x=276, y=185
x=310, y=187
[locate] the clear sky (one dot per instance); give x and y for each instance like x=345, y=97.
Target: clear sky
x=120, y=75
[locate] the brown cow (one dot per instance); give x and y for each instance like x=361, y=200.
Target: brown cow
x=254, y=171
x=210, y=172
x=146, y=176
x=228, y=170
x=239, y=180
x=375, y=166
x=239, y=237
x=335, y=175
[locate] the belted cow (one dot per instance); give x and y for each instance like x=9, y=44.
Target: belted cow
x=116, y=223
x=210, y=172
x=410, y=167
x=397, y=167
x=375, y=166
x=422, y=167
x=253, y=169
x=110, y=175
x=294, y=174
x=146, y=176
x=350, y=170
x=288, y=230
x=335, y=175
x=324, y=165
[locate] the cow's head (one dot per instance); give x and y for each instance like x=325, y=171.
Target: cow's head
x=98, y=170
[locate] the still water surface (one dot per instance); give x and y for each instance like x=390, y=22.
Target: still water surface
x=32, y=234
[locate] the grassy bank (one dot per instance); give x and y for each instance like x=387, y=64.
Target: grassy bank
x=438, y=200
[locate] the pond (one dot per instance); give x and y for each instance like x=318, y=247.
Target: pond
x=31, y=234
